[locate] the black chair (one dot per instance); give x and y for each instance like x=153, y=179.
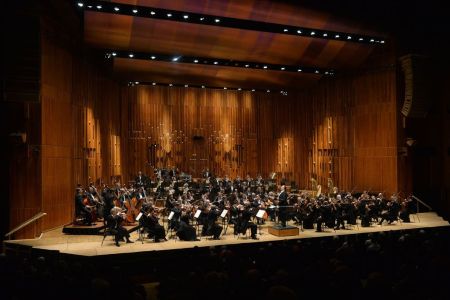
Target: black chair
x=109, y=230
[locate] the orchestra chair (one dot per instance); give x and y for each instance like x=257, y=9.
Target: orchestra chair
x=109, y=230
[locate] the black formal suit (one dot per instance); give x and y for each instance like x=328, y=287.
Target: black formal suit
x=282, y=211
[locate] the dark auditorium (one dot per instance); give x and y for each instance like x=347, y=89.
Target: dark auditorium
x=225, y=149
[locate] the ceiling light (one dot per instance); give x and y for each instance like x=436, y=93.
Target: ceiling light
x=175, y=58
x=247, y=66
x=215, y=62
x=382, y=41
x=153, y=57
x=239, y=89
x=185, y=17
x=268, y=91
x=217, y=20
x=285, y=30
x=325, y=34
x=202, y=18
x=153, y=83
x=299, y=31
x=349, y=37
x=360, y=39
x=170, y=84
x=283, y=68
x=253, y=90
x=152, y=13
x=169, y=15
x=116, y=8
x=336, y=36
x=131, y=55
x=326, y=72
x=316, y=71
x=203, y=86
x=372, y=40
x=114, y=54
x=135, y=11
x=195, y=60
x=136, y=82
x=265, y=67
x=299, y=70
x=313, y=33
x=224, y=88
x=99, y=7
x=89, y=6
x=80, y=4
x=186, y=85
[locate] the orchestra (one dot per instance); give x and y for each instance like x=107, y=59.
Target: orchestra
x=176, y=197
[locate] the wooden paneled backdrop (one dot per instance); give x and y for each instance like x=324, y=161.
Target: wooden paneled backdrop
x=87, y=127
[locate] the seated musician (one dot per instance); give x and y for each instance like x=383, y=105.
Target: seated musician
x=244, y=222
x=82, y=210
x=150, y=222
x=391, y=212
x=175, y=221
x=185, y=231
x=210, y=227
x=114, y=223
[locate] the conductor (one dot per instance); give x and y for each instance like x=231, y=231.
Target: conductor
x=283, y=203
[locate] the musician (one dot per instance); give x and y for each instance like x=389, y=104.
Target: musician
x=406, y=209
x=283, y=203
x=391, y=214
x=175, y=221
x=114, y=223
x=210, y=227
x=185, y=231
x=150, y=222
x=139, y=180
x=82, y=210
x=243, y=222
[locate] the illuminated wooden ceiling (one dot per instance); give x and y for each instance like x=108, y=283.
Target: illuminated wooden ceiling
x=112, y=32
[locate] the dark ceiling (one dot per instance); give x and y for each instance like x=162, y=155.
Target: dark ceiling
x=118, y=32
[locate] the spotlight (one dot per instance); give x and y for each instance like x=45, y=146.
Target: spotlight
x=316, y=71
x=131, y=55
x=135, y=11
x=239, y=89
x=224, y=88
x=285, y=30
x=247, y=66
x=299, y=70
x=265, y=67
x=360, y=39
x=382, y=41
x=372, y=40
x=283, y=68
x=195, y=60
x=153, y=57
x=169, y=15
x=99, y=7
x=326, y=72
x=337, y=36
x=136, y=82
x=114, y=54
x=349, y=37
x=217, y=20
x=116, y=8
x=152, y=13
x=325, y=34
x=80, y=4
x=153, y=83
x=215, y=62
x=89, y=6
x=299, y=31
x=176, y=58
x=185, y=17
x=313, y=33
x=202, y=18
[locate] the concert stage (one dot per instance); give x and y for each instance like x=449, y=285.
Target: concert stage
x=90, y=245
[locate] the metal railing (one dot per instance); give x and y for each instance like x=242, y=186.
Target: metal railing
x=26, y=223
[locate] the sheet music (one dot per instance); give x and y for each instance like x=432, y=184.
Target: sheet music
x=197, y=213
x=224, y=213
x=260, y=213
x=170, y=215
x=138, y=216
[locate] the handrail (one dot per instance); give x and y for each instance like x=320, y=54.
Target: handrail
x=423, y=203
x=27, y=222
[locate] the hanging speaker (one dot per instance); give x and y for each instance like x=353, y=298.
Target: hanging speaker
x=417, y=86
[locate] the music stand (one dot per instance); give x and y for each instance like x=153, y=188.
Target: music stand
x=223, y=215
x=140, y=228
x=169, y=218
x=196, y=216
x=260, y=215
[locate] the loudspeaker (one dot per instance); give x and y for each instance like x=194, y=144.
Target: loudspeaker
x=417, y=86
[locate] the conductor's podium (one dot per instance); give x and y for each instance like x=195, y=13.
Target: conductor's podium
x=279, y=230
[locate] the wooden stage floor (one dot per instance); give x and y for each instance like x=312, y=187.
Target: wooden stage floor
x=90, y=245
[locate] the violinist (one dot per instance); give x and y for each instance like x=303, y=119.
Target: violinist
x=114, y=223
x=150, y=222
x=210, y=227
x=185, y=231
x=244, y=223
